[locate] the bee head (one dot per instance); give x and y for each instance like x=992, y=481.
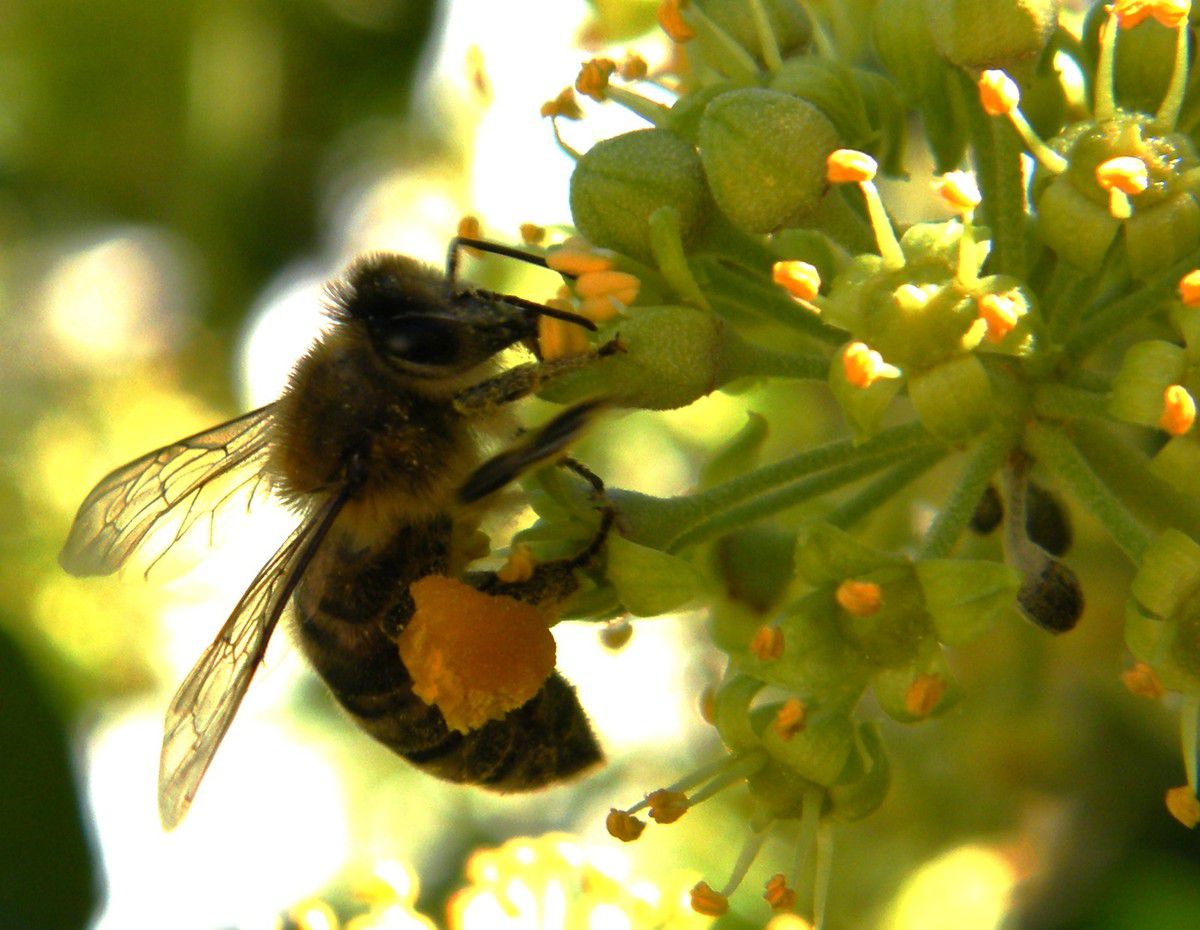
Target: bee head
x=419, y=325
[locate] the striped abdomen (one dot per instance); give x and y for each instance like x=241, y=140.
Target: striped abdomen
x=351, y=605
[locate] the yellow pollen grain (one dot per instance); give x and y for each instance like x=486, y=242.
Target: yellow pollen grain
x=864, y=366
x=791, y=718
x=1178, y=410
x=767, y=643
x=958, y=190
x=999, y=312
x=998, y=93
x=592, y=80
x=800, y=279
x=670, y=18
x=924, y=694
x=849, y=166
x=1189, y=288
x=600, y=309
x=859, y=598
x=1184, y=807
x=1126, y=173
x=708, y=902
x=1141, y=680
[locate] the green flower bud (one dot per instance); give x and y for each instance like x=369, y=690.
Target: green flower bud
x=964, y=597
x=619, y=182
x=818, y=752
x=1076, y=227
x=1147, y=370
x=854, y=800
x=1178, y=462
x=1159, y=236
x=1169, y=575
x=787, y=19
x=979, y=34
x=834, y=89
x=685, y=114
x=863, y=407
x=923, y=688
x=818, y=662
x=954, y=399
x=764, y=157
x=648, y=581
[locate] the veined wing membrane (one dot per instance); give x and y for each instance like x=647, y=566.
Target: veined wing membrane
x=203, y=707
x=125, y=506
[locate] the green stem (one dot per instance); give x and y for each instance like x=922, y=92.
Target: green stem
x=1066, y=296
x=956, y=513
x=1062, y=402
x=1189, y=725
x=824, y=871
x=1003, y=190
x=1109, y=320
x=731, y=288
x=766, y=36
x=647, y=109
x=1054, y=450
x=882, y=489
x=666, y=243
x=721, y=50
x=810, y=820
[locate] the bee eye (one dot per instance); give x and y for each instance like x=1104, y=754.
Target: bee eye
x=421, y=340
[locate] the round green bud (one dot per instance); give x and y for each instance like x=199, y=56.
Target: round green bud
x=1147, y=370
x=834, y=89
x=954, y=399
x=786, y=18
x=764, y=157
x=979, y=34
x=620, y=181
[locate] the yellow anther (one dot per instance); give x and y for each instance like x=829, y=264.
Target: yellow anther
x=1001, y=313
x=1178, y=410
x=558, y=338
x=708, y=902
x=1141, y=680
x=1125, y=173
x=800, y=279
x=600, y=309
x=767, y=643
x=633, y=68
x=670, y=18
x=924, y=694
x=864, y=366
x=859, y=598
x=998, y=93
x=520, y=563
x=1182, y=804
x=592, y=80
x=778, y=895
x=576, y=259
x=791, y=718
x=1189, y=288
x=958, y=191
x=667, y=806
x=532, y=234
x=623, y=826
x=849, y=166
x=619, y=285
x=470, y=228
x=564, y=105
x=914, y=296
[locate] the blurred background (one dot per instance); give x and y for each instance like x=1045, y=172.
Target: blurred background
x=176, y=181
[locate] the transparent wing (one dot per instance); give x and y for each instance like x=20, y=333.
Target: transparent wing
x=180, y=480
x=204, y=705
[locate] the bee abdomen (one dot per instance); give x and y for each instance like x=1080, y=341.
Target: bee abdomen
x=544, y=741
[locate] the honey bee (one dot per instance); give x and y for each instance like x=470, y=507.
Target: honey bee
x=377, y=443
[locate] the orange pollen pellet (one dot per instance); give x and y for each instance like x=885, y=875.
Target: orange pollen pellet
x=1184, y=807
x=670, y=18
x=999, y=312
x=791, y=718
x=1178, y=410
x=859, y=598
x=576, y=260
x=998, y=93
x=623, y=826
x=708, y=902
x=849, y=166
x=1142, y=681
x=564, y=105
x=958, y=191
x=667, y=806
x=592, y=80
x=532, y=234
x=633, y=68
x=1126, y=173
x=800, y=279
x=924, y=694
x=1169, y=13
x=864, y=366
x=778, y=895
x=767, y=643
x=1189, y=288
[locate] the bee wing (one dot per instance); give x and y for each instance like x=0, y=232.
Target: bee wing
x=127, y=504
x=203, y=707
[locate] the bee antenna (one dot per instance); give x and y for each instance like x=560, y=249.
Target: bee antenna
x=568, y=317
